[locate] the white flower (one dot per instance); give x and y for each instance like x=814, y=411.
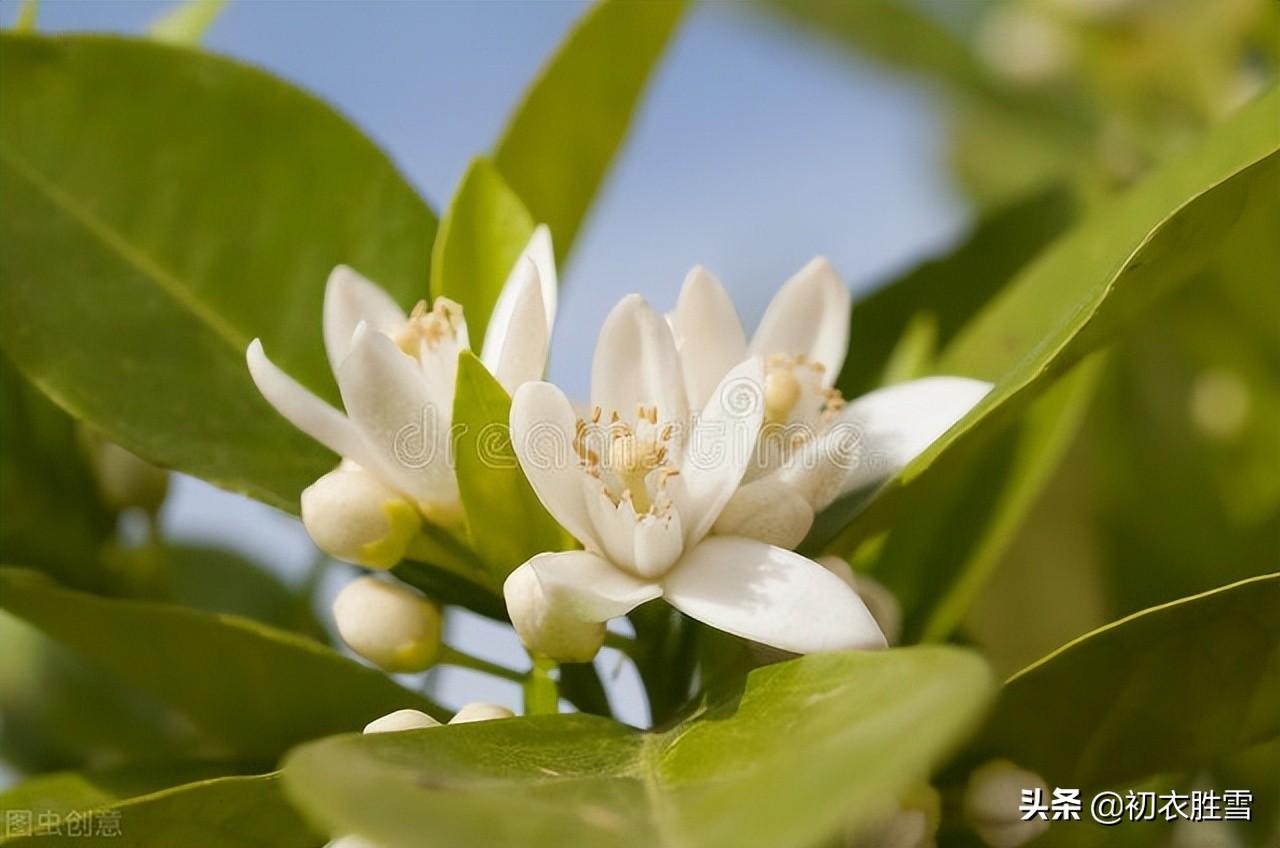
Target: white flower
x=640, y=485
x=389, y=624
x=992, y=801
x=396, y=374
x=814, y=446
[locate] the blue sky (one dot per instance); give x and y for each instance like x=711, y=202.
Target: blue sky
x=757, y=148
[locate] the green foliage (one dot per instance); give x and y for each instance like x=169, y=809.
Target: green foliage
x=561, y=139
x=481, y=236
x=255, y=690
x=206, y=214
x=1170, y=688
x=187, y=22
x=506, y=521
x=806, y=746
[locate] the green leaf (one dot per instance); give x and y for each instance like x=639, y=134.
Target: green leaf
x=807, y=745
x=28, y=12
x=938, y=563
x=506, y=521
x=228, y=812
x=1082, y=291
x=52, y=516
x=186, y=24
x=480, y=239
x=135, y=270
x=64, y=791
x=256, y=690
x=564, y=134
x=1170, y=688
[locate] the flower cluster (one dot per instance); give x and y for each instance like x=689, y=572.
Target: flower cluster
x=692, y=473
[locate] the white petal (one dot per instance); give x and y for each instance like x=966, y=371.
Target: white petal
x=809, y=316
x=646, y=546
x=517, y=338
x=304, y=410
x=559, y=602
x=636, y=364
x=719, y=449
x=543, y=429
x=770, y=595
x=768, y=511
x=879, y=433
x=882, y=603
x=350, y=298
x=401, y=720
x=708, y=334
x=480, y=711
x=388, y=399
x=539, y=250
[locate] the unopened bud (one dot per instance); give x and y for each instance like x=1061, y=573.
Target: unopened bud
x=880, y=602
x=401, y=720
x=352, y=516
x=911, y=823
x=992, y=801
x=388, y=624
x=480, y=711
x=124, y=479
x=552, y=632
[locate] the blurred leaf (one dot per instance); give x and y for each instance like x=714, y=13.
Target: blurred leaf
x=1083, y=290
x=807, y=745
x=186, y=23
x=52, y=516
x=211, y=206
x=952, y=287
x=506, y=521
x=228, y=812
x=211, y=666
x=65, y=791
x=480, y=238
x=938, y=562
x=1169, y=688
x=564, y=134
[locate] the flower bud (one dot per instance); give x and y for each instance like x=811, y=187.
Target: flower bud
x=910, y=823
x=388, y=624
x=544, y=629
x=124, y=479
x=352, y=516
x=480, y=711
x=991, y=804
x=401, y=720
x=880, y=602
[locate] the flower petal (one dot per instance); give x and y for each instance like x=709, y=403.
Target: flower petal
x=719, y=449
x=636, y=364
x=404, y=424
x=350, y=298
x=304, y=410
x=539, y=251
x=543, y=429
x=708, y=334
x=770, y=595
x=559, y=602
x=517, y=338
x=879, y=433
x=768, y=511
x=809, y=317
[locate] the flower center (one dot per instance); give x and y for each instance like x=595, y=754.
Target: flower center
x=630, y=454
x=793, y=392
x=431, y=326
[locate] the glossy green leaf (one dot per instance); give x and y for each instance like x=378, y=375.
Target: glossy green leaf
x=506, y=521
x=52, y=516
x=557, y=148
x=135, y=270
x=1170, y=688
x=481, y=236
x=937, y=562
x=1083, y=290
x=228, y=812
x=65, y=791
x=256, y=690
x=187, y=22
x=805, y=746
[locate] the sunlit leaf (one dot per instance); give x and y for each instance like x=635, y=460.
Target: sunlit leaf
x=186, y=23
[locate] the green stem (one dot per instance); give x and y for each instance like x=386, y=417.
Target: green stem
x=618, y=642
x=452, y=656
x=541, y=694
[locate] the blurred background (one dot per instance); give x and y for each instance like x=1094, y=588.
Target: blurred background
x=879, y=135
